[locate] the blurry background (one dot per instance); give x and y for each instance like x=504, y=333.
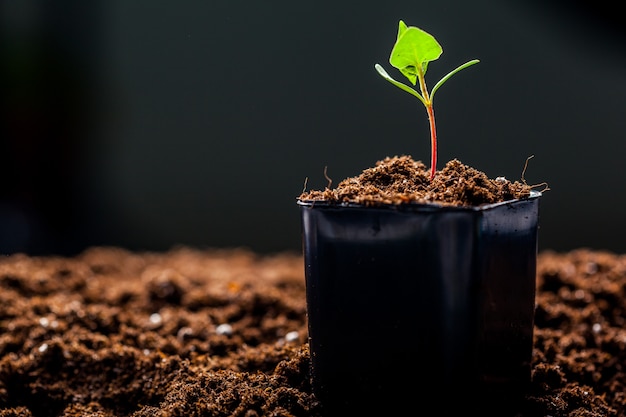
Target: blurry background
x=149, y=124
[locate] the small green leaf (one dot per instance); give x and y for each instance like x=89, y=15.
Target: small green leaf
x=450, y=74
x=412, y=51
x=398, y=84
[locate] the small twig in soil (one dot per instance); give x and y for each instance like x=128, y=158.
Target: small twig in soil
x=330, y=181
x=526, y=166
x=544, y=184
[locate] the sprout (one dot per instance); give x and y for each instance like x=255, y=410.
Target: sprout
x=413, y=50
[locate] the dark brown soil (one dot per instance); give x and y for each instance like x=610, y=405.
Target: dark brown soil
x=223, y=333
x=401, y=180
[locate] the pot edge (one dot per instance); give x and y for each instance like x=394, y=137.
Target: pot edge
x=414, y=206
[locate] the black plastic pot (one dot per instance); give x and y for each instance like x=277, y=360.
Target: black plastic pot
x=413, y=301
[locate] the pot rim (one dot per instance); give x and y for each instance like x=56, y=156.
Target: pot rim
x=414, y=206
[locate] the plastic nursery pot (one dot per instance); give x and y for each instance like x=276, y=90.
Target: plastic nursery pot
x=413, y=301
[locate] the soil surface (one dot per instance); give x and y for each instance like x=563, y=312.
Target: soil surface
x=400, y=180
x=194, y=332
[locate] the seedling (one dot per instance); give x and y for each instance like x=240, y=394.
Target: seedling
x=413, y=50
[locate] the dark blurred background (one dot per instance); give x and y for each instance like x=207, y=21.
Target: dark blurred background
x=150, y=124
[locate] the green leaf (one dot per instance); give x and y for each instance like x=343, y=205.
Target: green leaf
x=398, y=84
x=413, y=50
x=450, y=74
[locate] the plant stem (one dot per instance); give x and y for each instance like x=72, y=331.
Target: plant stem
x=431, y=119
x=433, y=141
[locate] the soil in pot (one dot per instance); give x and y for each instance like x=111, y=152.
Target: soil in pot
x=400, y=179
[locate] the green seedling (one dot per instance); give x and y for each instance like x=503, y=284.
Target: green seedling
x=413, y=50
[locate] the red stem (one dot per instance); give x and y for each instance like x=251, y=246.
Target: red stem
x=433, y=141
x=431, y=119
